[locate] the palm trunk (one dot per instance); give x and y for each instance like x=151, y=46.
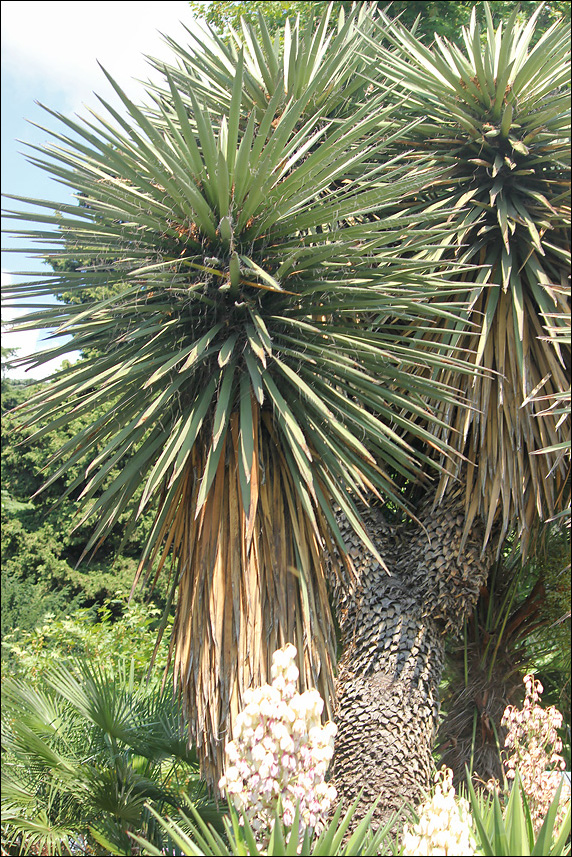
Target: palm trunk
x=393, y=627
x=496, y=652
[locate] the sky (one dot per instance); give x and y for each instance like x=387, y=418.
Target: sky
x=50, y=54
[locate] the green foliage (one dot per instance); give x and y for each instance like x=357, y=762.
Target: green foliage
x=221, y=15
x=191, y=835
x=86, y=737
x=501, y=834
x=442, y=17
x=25, y=605
x=520, y=624
x=84, y=750
x=24, y=461
x=14, y=391
x=111, y=634
x=38, y=576
x=446, y=19
x=41, y=545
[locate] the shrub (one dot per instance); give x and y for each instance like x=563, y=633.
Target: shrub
x=108, y=635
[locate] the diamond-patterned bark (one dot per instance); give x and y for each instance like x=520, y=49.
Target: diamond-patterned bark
x=393, y=627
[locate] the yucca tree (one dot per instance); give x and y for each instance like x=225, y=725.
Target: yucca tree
x=495, y=116
x=324, y=55
x=234, y=258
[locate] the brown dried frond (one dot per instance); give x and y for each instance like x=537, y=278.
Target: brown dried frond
x=504, y=430
x=250, y=580
x=194, y=232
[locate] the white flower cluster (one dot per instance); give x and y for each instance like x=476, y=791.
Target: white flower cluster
x=445, y=823
x=280, y=752
x=534, y=746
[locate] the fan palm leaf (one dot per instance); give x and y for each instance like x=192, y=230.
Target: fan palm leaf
x=233, y=264
x=84, y=752
x=496, y=113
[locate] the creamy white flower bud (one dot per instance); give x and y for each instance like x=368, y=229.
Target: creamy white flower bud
x=280, y=750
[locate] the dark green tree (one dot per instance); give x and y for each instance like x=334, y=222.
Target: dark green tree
x=444, y=17
x=41, y=542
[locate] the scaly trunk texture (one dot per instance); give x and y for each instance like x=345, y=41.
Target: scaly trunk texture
x=393, y=627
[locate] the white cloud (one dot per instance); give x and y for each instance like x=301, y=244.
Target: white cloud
x=27, y=342
x=58, y=43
